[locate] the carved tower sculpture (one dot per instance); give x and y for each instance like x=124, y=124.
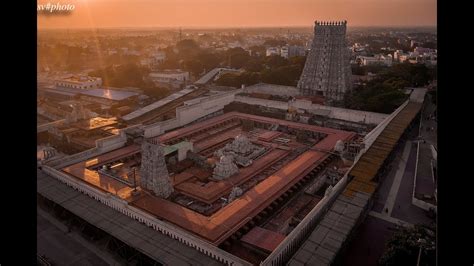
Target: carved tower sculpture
x=153, y=172
x=327, y=71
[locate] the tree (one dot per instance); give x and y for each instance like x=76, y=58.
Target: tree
x=272, y=70
x=237, y=57
x=194, y=66
x=385, y=102
x=275, y=61
x=209, y=60
x=170, y=63
x=274, y=42
x=187, y=44
x=386, y=91
x=405, y=245
x=129, y=75
x=187, y=49
x=260, y=49
x=236, y=80
x=253, y=65
x=417, y=75
x=297, y=60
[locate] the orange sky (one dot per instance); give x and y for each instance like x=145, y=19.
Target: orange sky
x=239, y=13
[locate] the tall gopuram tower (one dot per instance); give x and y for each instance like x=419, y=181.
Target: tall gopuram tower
x=327, y=71
x=153, y=172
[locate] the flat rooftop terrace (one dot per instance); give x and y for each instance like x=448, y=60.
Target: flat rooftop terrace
x=156, y=104
x=94, y=123
x=282, y=166
x=109, y=94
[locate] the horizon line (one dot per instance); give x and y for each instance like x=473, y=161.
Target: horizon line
x=229, y=27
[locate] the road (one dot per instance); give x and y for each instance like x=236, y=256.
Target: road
x=63, y=248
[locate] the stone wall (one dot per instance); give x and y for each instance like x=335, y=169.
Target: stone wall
x=160, y=226
x=272, y=89
x=335, y=112
x=189, y=113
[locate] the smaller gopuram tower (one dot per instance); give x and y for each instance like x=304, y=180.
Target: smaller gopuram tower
x=153, y=172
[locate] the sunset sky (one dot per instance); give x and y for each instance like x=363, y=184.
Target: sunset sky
x=239, y=13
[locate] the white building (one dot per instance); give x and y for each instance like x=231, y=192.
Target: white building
x=79, y=82
x=357, y=47
x=173, y=78
x=131, y=52
x=154, y=60
x=273, y=51
x=397, y=54
x=419, y=55
x=235, y=44
x=380, y=59
x=285, y=51
x=159, y=57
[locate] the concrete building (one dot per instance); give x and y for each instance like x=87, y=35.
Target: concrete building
x=76, y=133
x=285, y=52
x=158, y=57
x=327, y=71
x=105, y=96
x=378, y=59
x=170, y=78
x=397, y=54
x=414, y=43
x=273, y=51
x=79, y=82
x=154, y=60
x=358, y=48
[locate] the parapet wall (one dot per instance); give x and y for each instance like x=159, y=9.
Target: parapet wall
x=272, y=89
x=189, y=113
x=47, y=126
x=335, y=112
x=204, y=106
x=143, y=217
x=102, y=145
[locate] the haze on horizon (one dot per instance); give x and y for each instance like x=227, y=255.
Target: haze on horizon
x=239, y=13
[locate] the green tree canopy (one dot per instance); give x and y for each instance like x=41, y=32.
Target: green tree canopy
x=404, y=246
x=274, y=42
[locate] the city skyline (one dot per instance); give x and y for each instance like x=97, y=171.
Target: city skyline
x=243, y=14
